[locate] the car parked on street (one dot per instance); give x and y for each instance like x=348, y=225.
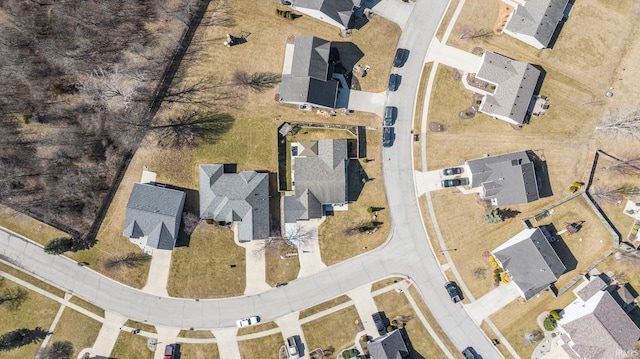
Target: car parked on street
x=245, y=322
x=394, y=82
x=452, y=171
x=400, y=58
x=387, y=136
x=292, y=347
x=471, y=353
x=390, y=114
x=381, y=321
x=453, y=182
x=454, y=291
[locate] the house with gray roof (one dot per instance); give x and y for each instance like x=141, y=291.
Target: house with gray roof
x=597, y=327
x=242, y=198
x=152, y=216
x=307, y=76
x=389, y=346
x=513, y=84
x=530, y=260
x=535, y=22
x=505, y=179
x=334, y=12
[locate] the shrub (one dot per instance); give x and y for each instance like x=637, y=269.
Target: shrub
x=554, y=314
x=370, y=209
x=549, y=323
x=478, y=102
x=210, y=221
x=58, y=246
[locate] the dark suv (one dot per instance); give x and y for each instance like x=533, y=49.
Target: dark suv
x=401, y=57
x=390, y=113
x=387, y=136
x=381, y=321
x=471, y=353
x=454, y=291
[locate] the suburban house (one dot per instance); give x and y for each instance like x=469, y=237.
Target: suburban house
x=530, y=260
x=242, y=198
x=152, y=216
x=535, y=22
x=506, y=179
x=389, y=346
x=334, y=12
x=511, y=94
x=307, y=74
x=595, y=325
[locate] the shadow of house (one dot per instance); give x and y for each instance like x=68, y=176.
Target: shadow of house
x=560, y=247
x=348, y=55
x=191, y=205
x=356, y=178
x=542, y=175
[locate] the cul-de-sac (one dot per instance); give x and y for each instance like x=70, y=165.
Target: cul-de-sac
x=319, y=179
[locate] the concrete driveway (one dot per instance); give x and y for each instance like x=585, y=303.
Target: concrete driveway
x=492, y=302
x=159, y=273
x=367, y=101
x=454, y=57
x=309, y=248
x=365, y=306
x=255, y=267
x=427, y=181
x=393, y=10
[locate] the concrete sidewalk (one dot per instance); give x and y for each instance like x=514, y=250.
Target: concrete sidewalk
x=166, y=336
x=159, y=273
x=108, y=335
x=227, y=343
x=454, y=57
x=492, y=302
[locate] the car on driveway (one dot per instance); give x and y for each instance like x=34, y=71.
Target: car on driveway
x=381, y=321
x=292, y=347
x=170, y=351
x=245, y=322
x=454, y=291
x=387, y=136
x=453, y=182
x=400, y=58
x=394, y=82
x=390, y=114
x=452, y=171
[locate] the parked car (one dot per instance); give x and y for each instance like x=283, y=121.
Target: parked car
x=387, y=136
x=394, y=82
x=452, y=171
x=170, y=351
x=381, y=321
x=454, y=291
x=453, y=182
x=245, y=322
x=401, y=57
x=471, y=353
x=390, y=114
x=292, y=346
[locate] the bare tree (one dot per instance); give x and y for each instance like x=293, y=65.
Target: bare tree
x=629, y=166
x=626, y=124
x=130, y=260
x=479, y=273
x=57, y=350
x=256, y=81
x=533, y=337
x=607, y=194
x=475, y=34
x=190, y=221
x=13, y=297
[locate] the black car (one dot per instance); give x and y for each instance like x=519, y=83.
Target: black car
x=390, y=113
x=401, y=57
x=452, y=171
x=394, y=82
x=381, y=321
x=387, y=136
x=471, y=353
x=453, y=182
x=454, y=291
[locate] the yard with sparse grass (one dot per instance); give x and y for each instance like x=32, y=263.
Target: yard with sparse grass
x=491, y=334
x=385, y=283
x=264, y=347
x=77, y=328
x=336, y=330
x=396, y=305
x=32, y=280
x=131, y=346
x=517, y=318
x=210, y=250
x=446, y=19
x=196, y=334
x=281, y=269
x=88, y=306
x=260, y=327
x=142, y=326
x=199, y=351
x=430, y=319
x=35, y=311
x=323, y=306
x=27, y=226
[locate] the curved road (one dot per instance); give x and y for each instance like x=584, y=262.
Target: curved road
x=406, y=253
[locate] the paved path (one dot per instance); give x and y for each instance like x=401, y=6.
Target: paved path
x=108, y=334
x=394, y=10
x=428, y=181
x=365, y=306
x=255, y=267
x=428, y=326
x=227, y=343
x=166, y=336
x=53, y=325
x=309, y=248
x=159, y=273
x=454, y=57
x=493, y=301
x=367, y=101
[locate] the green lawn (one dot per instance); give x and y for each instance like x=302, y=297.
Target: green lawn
x=131, y=346
x=337, y=330
x=77, y=328
x=264, y=347
x=210, y=250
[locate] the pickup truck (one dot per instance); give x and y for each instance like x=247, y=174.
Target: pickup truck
x=293, y=348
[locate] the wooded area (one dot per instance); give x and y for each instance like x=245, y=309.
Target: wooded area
x=78, y=83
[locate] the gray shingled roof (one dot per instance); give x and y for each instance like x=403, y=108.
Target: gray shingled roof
x=538, y=19
x=595, y=285
x=338, y=10
x=310, y=79
x=323, y=175
x=154, y=212
x=515, y=84
x=388, y=346
x=236, y=197
x=302, y=207
x=604, y=330
x=530, y=260
x=509, y=178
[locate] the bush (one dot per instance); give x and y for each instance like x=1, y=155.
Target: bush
x=549, y=323
x=210, y=221
x=370, y=209
x=554, y=314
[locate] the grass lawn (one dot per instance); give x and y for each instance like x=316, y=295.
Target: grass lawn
x=88, y=306
x=27, y=226
x=257, y=328
x=396, y=304
x=35, y=311
x=323, y=306
x=385, y=283
x=417, y=118
x=131, y=346
x=517, y=318
x=589, y=244
x=432, y=321
x=196, y=334
x=209, y=252
x=337, y=330
x=142, y=326
x=491, y=334
x=626, y=271
x=446, y=19
x=29, y=279
x=264, y=347
x=199, y=351
x=279, y=269
x=77, y=328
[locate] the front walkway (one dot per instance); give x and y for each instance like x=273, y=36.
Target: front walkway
x=454, y=57
x=159, y=273
x=492, y=302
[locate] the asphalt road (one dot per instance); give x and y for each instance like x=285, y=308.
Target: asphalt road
x=406, y=253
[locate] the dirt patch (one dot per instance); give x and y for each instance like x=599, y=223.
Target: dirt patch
x=504, y=12
x=437, y=127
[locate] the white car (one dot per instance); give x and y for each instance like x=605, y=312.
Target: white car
x=293, y=348
x=247, y=321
